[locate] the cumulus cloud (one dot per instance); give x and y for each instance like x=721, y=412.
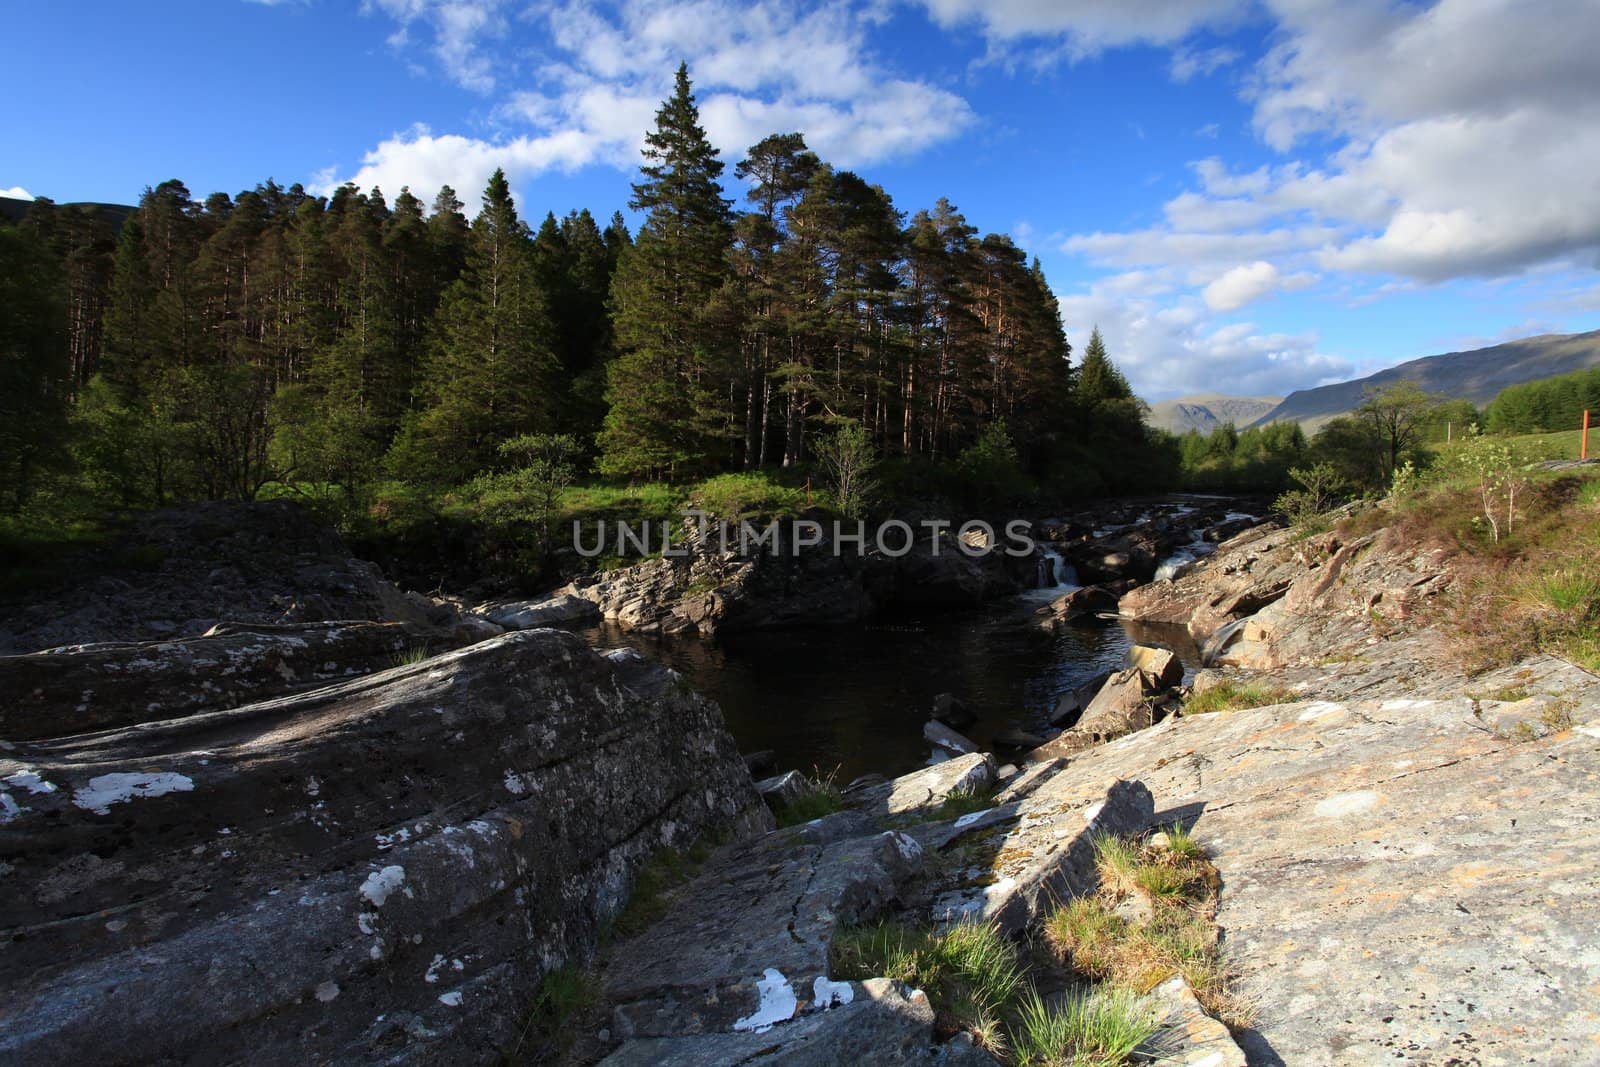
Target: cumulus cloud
x=16, y=192
x=1169, y=346
x=758, y=68
x=1250, y=282
x=1085, y=28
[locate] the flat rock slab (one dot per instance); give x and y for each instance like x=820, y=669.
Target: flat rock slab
x=81, y=688
x=376, y=871
x=754, y=911
x=1034, y=849
x=924, y=790
x=881, y=1022
x=1188, y=1036
x=1399, y=884
x=558, y=610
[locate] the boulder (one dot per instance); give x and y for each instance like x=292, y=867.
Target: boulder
x=1070, y=705
x=376, y=871
x=953, y=711
x=783, y=790
x=1190, y=1037
x=941, y=735
x=750, y=940
x=77, y=689
x=925, y=789
x=1034, y=850
x=1086, y=602
x=1122, y=706
x=1160, y=666
x=563, y=609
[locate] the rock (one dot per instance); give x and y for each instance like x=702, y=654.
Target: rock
x=1037, y=850
x=944, y=737
x=879, y=1022
x=77, y=689
x=1122, y=706
x=178, y=571
x=760, y=763
x=783, y=790
x=925, y=789
x=1387, y=861
x=1070, y=705
x=1086, y=602
x=752, y=937
x=563, y=609
x=1161, y=667
x=953, y=711
x=1190, y=1037
x=1014, y=738
x=372, y=871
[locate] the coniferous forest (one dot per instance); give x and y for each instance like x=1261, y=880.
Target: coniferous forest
x=362, y=349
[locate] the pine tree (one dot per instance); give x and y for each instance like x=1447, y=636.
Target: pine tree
x=667, y=388
x=490, y=373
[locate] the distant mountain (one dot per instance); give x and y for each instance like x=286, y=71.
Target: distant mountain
x=1206, y=413
x=13, y=210
x=1476, y=376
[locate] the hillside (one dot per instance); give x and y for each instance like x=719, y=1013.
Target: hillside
x=1206, y=412
x=1476, y=375
x=15, y=210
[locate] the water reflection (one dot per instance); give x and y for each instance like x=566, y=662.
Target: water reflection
x=855, y=698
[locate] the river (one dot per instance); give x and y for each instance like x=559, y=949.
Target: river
x=851, y=700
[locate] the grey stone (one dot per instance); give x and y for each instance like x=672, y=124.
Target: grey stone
x=925, y=789
x=558, y=610
x=953, y=711
x=77, y=689
x=939, y=734
x=783, y=790
x=414, y=847
x=1188, y=1036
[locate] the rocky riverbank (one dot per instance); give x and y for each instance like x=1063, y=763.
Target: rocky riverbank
x=303, y=836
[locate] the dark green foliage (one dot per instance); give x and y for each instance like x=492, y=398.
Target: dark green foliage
x=1545, y=406
x=33, y=363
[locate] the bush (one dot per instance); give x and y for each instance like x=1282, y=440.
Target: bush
x=739, y=496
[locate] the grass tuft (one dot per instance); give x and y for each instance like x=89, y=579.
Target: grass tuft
x=970, y=972
x=822, y=796
x=411, y=656
x=1235, y=696
x=1096, y=1029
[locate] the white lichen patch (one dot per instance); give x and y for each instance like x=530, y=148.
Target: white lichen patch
x=1092, y=812
x=1320, y=709
x=431, y=975
x=1400, y=704
x=778, y=1003
x=451, y=999
x=907, y=846
x=29, y=779
x=107, y=789
x=970, y=818
x=514, y=784
x=388, y=841
x=380, y=884
x=827, y=994
x=328, y=992
x=1346, y=804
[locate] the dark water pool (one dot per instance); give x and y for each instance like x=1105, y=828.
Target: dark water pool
x=855, y=698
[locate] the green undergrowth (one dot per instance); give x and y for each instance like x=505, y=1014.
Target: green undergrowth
x=821, y=796
x=1152, y=917
x=568, y=1001
x=981, y=983
x=651, y=895
x=1230, y=695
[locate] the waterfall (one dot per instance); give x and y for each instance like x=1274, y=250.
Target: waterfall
x=1054, y=572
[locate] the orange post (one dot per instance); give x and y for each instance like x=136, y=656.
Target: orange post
x=1583, y=452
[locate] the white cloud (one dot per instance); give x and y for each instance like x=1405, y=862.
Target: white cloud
x=1245, y=284
x=1084, y=27
x=1190, y=63
x=16, y=192
x=758, y=68
x=1169, y=347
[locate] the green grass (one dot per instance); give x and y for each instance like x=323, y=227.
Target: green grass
x=1096, y=1029
x=567, y=999
x=411, y=656
x=959, y=802
x=1569, y=589
x=822, y=796
x=754, y=494
x=651, y=895
x=1178, y=936
x=1230, y=695
x=971, y=974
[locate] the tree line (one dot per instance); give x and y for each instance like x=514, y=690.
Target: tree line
x=210, y=348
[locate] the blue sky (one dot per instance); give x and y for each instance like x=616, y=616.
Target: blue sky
x=1246, y=198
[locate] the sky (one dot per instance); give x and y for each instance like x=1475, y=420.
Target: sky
x=1246, y=198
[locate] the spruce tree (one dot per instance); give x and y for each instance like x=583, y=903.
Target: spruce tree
x=490, y=373
x=667, y=387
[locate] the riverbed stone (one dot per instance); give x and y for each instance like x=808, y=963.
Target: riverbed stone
x=941, y=735
x=562, y=609
x=925, y=789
